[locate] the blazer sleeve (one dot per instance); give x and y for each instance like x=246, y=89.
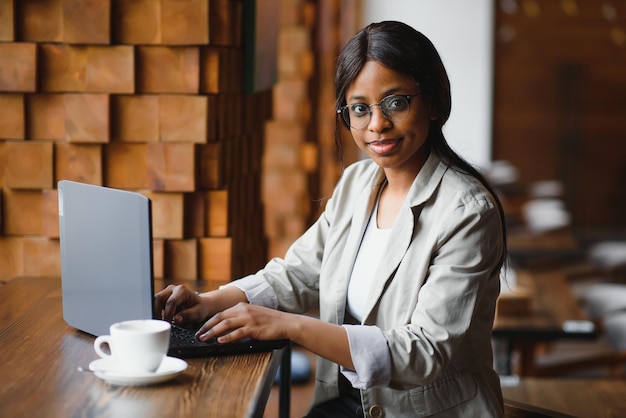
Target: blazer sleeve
x=295, y=277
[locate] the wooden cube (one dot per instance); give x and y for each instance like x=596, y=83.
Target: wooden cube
x=28, y=165
x=64, y=68
x=283, y=193
x=42, y=257
x=181, y=259
x=87, y=118
x=6, y=21
x=45, y=116
x=185, y=22
x=291, y=101
x=18, y=67
x=126, y=166
x=183, y=118
x=110, y=69
x=171, y=167
x=167, y=214
x=135, y=118
x=217, y=213
x=162, y=22
x=12, y=124
x=50, y=213
x=86, y=21
x=137, y=22
x=283, y=140
x=215, y=259
x=79, y=162
x=93, y=69
x=40, y=21
x=293, y=41
x=22, y=212
x=11, y=258
x=167, y=69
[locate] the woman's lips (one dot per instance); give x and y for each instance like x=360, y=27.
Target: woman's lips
x=383, y=146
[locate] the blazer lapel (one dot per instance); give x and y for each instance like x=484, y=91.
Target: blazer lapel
x=363, y=209
x=423, y=187
x=396, y=248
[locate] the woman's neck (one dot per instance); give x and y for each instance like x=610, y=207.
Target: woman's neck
x=396, y=187
x=389, y=203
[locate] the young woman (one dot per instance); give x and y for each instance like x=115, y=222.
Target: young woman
x=403, y=264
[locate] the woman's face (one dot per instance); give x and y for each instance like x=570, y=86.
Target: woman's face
x=392, y=145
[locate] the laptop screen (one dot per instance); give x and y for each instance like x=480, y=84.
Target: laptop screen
x=106, y=256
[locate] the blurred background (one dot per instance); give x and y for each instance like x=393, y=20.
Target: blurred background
x=222, y=112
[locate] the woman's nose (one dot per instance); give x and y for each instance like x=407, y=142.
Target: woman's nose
x=378, y=121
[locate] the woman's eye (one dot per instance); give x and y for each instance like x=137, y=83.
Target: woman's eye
x=395, y=104
x=359, y=109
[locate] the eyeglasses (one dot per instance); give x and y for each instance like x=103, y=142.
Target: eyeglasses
x=394, y=108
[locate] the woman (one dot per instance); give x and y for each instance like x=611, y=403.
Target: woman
x=403, y=264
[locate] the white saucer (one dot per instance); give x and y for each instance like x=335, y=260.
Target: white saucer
x=169, y=368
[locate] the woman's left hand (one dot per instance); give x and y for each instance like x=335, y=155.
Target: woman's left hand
x=245, y=320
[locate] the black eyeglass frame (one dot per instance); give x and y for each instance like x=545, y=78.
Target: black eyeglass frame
x=408, y=98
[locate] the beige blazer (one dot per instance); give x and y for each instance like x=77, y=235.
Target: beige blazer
x=435, y=298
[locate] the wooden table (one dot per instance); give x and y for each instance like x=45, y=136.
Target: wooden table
x=584, y=398
x=41, y=353
x=551, y=308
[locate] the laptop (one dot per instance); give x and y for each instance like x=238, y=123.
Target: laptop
x=106, y=267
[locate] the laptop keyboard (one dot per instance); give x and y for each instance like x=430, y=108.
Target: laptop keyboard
x=184, y=344
x=182, y=337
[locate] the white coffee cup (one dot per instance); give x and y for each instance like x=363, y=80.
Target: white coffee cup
x=135, y=346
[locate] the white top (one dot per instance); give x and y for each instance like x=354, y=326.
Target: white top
x=365, y=266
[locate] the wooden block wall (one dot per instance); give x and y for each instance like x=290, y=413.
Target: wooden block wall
x=286, y=190
x=142, y=95
x=300, y=165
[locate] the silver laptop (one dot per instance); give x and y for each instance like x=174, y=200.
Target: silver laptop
x=106, y=266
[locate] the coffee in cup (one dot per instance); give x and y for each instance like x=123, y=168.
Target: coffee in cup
x=136, y=346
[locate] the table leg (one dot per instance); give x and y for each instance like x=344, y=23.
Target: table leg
x=284, y=394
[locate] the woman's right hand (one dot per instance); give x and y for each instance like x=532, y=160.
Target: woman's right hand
x=180, y=305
